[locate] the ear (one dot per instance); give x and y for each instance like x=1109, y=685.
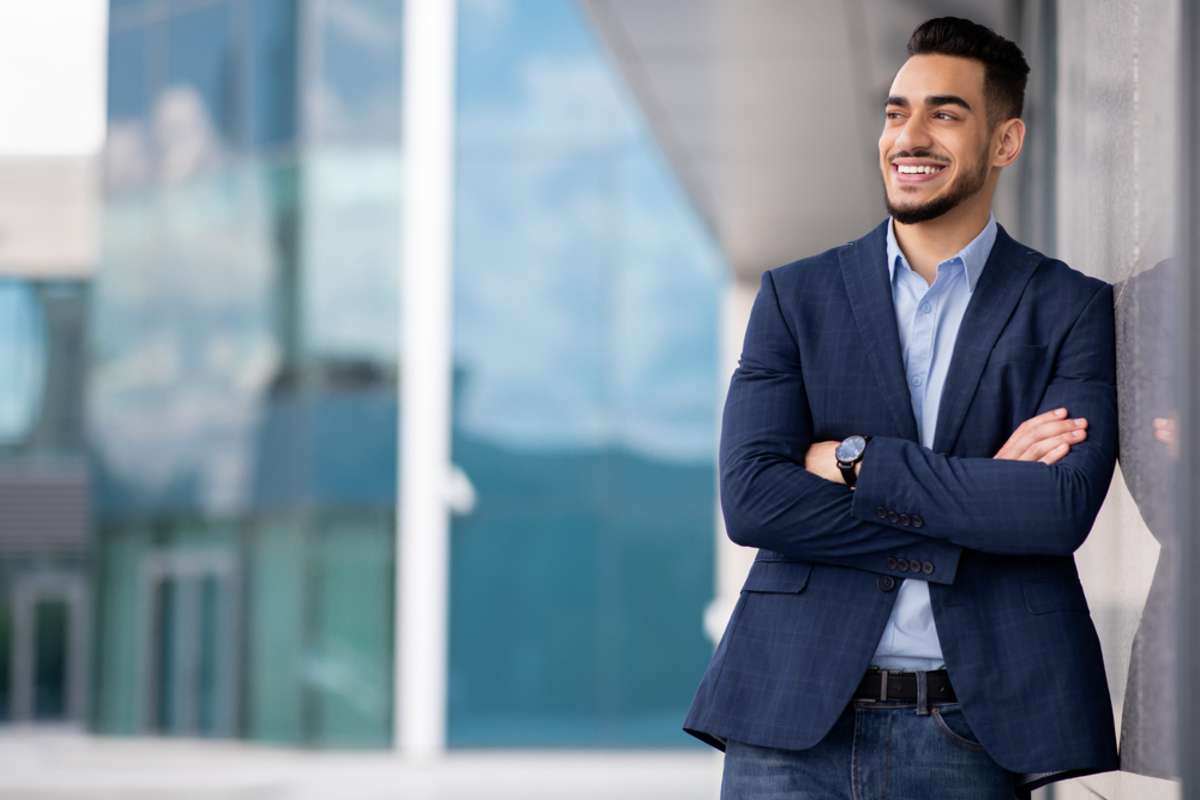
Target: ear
x=1007, y=141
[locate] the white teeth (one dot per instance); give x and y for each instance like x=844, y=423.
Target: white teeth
x=910, y=169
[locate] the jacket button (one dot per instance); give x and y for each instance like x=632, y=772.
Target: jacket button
x=901, y=565
x=917, y=521
x=893, y=516
x=891, y=562
x=881, y=512
x=905, y=519
x=886, y=583
x=927, y=567
x=914, y=566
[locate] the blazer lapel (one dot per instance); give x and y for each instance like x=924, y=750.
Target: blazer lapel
x=865, y=272
x=1008, y=268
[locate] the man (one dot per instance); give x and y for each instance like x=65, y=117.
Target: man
x=918, y=436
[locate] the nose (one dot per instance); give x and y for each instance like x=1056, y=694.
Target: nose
x=914, y=135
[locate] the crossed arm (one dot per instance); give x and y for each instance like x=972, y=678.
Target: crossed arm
x=1038, y=495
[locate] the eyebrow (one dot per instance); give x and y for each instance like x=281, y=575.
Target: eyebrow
x=931, y=101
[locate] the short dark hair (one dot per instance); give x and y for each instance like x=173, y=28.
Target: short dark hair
x=1005, y=68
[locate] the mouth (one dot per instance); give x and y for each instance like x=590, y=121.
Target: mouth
x=912, y=171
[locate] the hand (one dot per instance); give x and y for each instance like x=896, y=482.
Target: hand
x=821, y=460
x=1045, y=438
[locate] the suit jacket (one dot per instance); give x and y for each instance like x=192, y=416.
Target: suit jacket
x=994, y=538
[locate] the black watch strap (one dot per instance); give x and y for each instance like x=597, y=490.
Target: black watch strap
x=847, y=467
x=848, y=473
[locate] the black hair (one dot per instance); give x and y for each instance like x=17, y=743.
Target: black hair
x=1005, y=68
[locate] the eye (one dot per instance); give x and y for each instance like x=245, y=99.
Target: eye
x=945, y=115
x=891, y=114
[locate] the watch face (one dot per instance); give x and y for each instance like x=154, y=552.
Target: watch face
x=850, y=448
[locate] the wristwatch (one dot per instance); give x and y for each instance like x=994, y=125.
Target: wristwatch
x=848, y=453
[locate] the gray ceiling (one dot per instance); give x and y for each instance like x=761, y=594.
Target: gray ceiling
x=769, y=110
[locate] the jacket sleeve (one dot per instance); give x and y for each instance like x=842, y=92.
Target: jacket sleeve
x=1007, y=506
x=768, y=499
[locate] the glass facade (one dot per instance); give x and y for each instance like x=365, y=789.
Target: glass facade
x=243, y=401
x=242, y=398
x=44, y=552
x=586, y=295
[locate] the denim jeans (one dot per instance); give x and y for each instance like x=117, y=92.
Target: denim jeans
x=874, y=751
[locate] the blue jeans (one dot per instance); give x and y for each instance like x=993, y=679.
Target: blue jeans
x=874, y=751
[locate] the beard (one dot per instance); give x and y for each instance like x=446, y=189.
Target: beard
x=964, y=186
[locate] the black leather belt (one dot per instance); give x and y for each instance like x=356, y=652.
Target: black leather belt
x=882, y=685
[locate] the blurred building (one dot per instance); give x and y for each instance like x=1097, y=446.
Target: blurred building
x=243, y=391
x=47, y=253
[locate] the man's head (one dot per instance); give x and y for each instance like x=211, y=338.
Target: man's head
x=952, y=119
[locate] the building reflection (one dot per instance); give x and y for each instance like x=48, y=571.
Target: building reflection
x=1148, y=316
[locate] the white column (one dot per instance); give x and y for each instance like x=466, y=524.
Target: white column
x=425, y=302
x=733, y=561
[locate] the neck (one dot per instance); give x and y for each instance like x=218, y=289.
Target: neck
x=927, y=244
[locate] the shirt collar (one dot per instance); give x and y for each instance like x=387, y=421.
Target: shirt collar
x=974, y=256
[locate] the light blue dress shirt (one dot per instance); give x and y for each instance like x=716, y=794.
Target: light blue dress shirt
x=928, y=318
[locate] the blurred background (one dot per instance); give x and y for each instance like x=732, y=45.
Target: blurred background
x=362, y=364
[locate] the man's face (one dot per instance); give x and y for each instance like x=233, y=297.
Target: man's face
x=933, y=151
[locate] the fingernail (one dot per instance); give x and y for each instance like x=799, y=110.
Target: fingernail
x=1081, y=422
x=1060, y=412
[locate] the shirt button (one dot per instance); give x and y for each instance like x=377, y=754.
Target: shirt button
x=917, y=380
x=926, y=308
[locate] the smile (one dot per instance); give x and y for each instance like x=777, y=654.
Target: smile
x=917, y=173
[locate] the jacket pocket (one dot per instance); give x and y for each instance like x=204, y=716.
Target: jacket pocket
x=777, y=576
x=1043, y=595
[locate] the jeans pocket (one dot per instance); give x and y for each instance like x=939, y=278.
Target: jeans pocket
x=953, y=725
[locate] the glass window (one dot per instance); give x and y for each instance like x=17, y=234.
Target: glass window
x=585, y=369
x=242, y=409
x=201, y=95
x=274, y=29
x=356, y=95
x=22, y=360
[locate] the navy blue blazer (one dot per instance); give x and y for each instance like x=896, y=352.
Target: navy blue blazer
x=994, y=538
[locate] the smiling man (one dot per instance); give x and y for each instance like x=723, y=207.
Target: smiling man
x=918, y=436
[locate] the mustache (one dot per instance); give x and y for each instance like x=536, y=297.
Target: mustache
x=918, y=154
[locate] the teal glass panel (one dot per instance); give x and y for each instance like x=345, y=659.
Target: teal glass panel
x=586, y=298
x=349, y=665
x=23, y=359
x=120, y=700
x=50, y=624
x=213, y=642
x=5, y=660
x=275, y=695
x=165, y=670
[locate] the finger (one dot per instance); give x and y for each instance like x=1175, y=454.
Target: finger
x=1033, y=422
x=1046, y=416
x=1039, y=449
x=1048, y=429
x=1019, y=440
x=1049, y=432
x=1055, y=454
